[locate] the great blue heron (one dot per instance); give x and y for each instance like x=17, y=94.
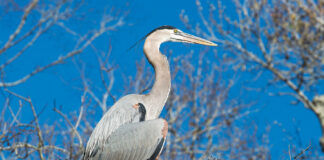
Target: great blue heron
x=130, y=129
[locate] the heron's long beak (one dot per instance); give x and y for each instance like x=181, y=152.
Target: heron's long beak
x=193, y=39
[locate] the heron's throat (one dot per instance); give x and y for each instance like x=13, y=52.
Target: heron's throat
x=158, y=96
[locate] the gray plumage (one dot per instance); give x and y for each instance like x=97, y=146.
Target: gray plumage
x=130, y=130
x=136, y=141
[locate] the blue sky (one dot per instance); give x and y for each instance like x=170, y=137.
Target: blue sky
x=143, y=16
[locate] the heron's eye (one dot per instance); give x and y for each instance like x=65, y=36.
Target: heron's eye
x=175, y=31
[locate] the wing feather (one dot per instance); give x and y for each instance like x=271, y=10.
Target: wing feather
x=135, y=141
x=122, y=112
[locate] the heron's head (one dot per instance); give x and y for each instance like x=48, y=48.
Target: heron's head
x=169, y=33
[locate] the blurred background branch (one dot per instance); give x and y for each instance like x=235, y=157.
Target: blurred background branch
x=283, y=39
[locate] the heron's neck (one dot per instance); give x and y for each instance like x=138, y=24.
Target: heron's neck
x=158, y=96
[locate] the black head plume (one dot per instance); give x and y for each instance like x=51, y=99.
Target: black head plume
x=159, y=28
